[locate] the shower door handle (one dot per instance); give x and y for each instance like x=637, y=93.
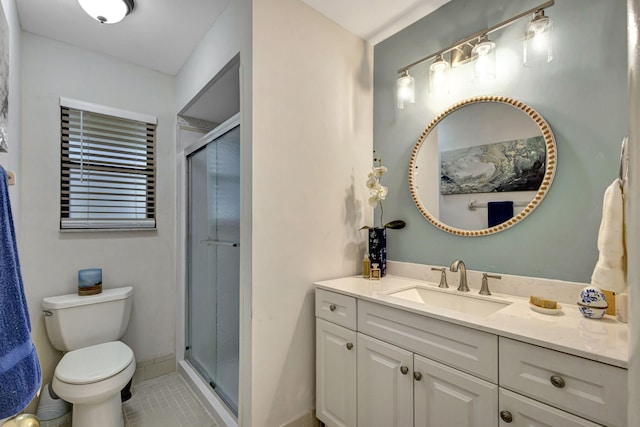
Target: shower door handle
x=219, y=243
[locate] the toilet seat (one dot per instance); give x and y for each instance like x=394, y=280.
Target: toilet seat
x=95, y=363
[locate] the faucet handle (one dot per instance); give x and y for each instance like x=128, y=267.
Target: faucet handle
x=484, y=290
x=443, y=277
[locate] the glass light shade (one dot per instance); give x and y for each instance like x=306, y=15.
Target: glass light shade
x=439, y=77
x=485, y=63
x=106, y=11
x=406, y=90
x=538, y=43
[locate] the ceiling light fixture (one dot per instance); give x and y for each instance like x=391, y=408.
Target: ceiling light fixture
x=477, y=47
x=107, y=11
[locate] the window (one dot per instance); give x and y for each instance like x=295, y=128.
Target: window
x=108, y=173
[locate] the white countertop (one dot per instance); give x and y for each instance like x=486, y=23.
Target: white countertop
x=604, y=340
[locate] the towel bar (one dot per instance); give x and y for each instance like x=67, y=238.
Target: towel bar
x=473, y=205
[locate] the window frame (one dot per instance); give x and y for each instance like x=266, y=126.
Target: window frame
x=118, y=169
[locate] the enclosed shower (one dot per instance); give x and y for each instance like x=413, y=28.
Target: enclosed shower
x=213, y=260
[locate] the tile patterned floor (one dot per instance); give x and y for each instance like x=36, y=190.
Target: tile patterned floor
x=165, y=401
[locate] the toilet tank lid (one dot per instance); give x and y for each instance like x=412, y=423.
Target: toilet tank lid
x=74, y=300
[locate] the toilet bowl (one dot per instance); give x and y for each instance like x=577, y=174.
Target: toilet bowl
x=95, y=366
x=91, y=379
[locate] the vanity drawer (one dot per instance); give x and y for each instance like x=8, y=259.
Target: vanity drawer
x=337, y=308
x=472, y=351
x=586, y=388
x=526, y=412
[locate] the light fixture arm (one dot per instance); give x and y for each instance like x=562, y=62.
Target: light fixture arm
x=479, y=34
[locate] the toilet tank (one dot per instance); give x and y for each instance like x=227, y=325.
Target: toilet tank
x=74, y=321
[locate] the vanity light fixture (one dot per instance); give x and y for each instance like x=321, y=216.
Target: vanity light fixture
x=478, y=48
x=107, y=11
x=485, y=65
x=406, y=90
x=439, y=77
x=538, y=46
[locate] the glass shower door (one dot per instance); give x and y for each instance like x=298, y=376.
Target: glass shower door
x=214, y=261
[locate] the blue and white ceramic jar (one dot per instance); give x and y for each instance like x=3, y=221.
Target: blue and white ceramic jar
x=592, y=303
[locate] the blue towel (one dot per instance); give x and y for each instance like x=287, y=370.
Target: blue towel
x=499, y=212
x=20, y=373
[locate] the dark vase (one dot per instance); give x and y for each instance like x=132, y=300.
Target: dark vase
x=378, y=248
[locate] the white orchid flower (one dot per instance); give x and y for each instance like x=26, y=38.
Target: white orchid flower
x=372, y=182
x=382, y=192
x=379, y=171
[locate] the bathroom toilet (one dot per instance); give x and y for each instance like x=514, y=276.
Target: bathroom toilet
x=95, y=366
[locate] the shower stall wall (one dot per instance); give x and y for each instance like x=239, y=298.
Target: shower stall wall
x=213, y=260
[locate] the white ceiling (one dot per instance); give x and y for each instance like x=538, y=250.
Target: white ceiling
x=158, y=34
x=375, y=20
x=161, y=34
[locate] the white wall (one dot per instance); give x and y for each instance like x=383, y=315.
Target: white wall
x=50, y=259
x=11, y=160
x=312, y=150
x=226, y=37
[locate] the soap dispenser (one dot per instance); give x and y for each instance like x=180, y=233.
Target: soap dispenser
x=366, y=266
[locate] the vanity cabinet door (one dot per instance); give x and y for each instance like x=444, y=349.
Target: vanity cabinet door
x=335, y=374
x=385, y=384
x=447, y=397
x=520, y=411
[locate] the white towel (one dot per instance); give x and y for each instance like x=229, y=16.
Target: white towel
x=610, y=271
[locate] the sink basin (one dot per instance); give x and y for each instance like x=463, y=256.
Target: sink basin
x=464, y=303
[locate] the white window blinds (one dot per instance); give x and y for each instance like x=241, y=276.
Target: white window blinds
x=108, y=172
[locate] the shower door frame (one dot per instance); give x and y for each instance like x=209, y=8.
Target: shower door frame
x=215, y=405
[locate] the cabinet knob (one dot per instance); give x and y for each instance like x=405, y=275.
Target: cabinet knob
x=404, y=370
x=506, y=416
x=332, y=307
x=557, y=381
x=349, y=346
x=417, y=376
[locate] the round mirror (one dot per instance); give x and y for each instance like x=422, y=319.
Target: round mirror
x=482, y=165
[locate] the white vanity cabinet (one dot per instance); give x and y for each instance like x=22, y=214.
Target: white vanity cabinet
x=335, y=359
x=396, y=384
x=379, y=365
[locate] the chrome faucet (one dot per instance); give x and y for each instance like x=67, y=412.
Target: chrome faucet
x=459, y=264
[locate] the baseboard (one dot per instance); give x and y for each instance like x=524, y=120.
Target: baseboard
x=156, y=367
x=306, y=420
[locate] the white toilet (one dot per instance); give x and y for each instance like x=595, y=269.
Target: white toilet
x=95, y=366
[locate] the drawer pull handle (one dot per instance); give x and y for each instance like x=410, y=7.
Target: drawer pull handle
x=506, y=416
x=557, y=381
x=404, y=370
x=349, y=346
x=332, y=307
x=417, y=376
